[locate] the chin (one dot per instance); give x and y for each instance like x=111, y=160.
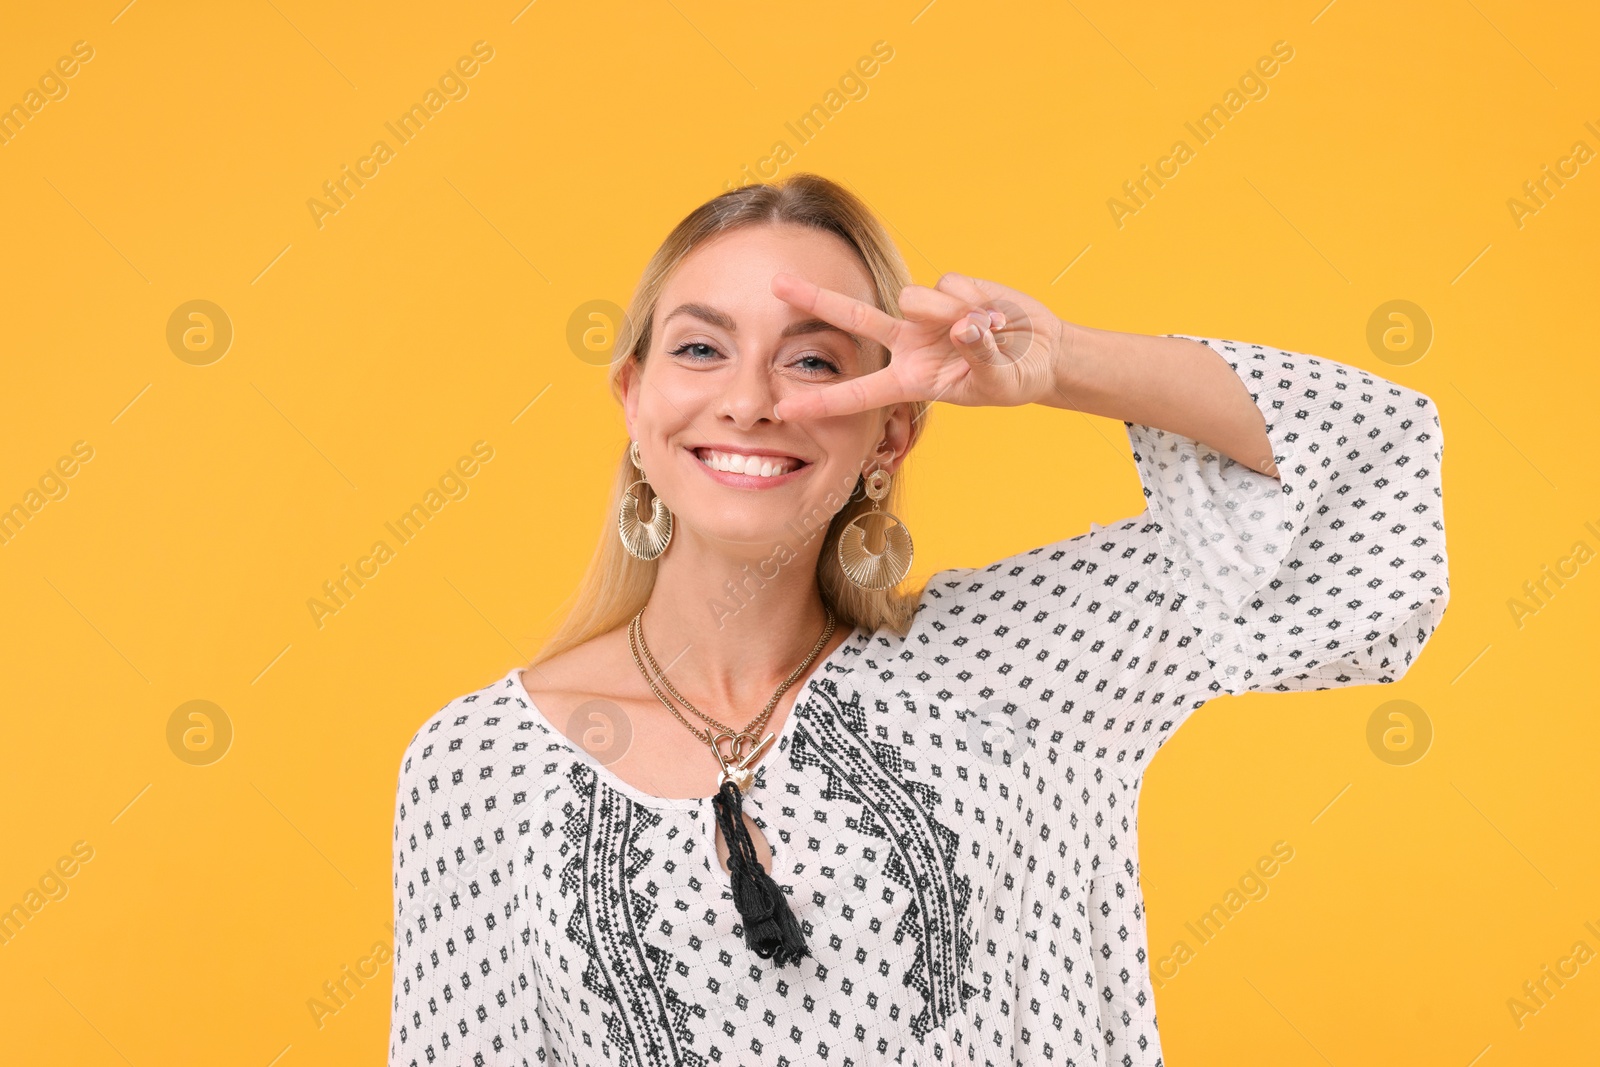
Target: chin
x=750, y=529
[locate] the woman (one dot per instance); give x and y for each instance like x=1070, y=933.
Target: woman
x=750, y=805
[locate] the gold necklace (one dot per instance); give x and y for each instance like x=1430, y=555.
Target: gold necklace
x=738, y=765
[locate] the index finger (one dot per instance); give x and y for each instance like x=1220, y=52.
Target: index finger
x=847, y=313
x=867, y=393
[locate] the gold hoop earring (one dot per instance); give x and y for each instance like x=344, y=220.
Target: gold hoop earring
x=875, y=570
x=644, y=539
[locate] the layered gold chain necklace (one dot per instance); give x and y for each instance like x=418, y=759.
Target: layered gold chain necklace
x=738, y=763
x=770, y=928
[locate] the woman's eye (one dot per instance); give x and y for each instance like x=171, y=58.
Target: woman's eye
x=687, y=346
x=816, y=364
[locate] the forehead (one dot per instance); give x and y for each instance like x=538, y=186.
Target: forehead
x=733, y=271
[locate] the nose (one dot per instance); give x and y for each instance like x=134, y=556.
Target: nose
x=751, y=394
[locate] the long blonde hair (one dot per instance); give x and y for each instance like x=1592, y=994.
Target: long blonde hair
x=616, y=584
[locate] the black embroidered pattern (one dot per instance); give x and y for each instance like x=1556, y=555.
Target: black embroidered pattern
x=867, y=788
x=607, y=880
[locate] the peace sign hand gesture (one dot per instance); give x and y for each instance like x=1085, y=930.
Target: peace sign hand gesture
x=968, y=341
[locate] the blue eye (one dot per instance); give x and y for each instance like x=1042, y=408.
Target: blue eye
x=825, y=365
x=681, y=349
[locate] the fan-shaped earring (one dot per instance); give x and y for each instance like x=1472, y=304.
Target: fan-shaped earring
x=644, y=539
x=875, y=570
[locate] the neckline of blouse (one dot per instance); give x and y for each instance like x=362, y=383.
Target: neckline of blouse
x=841, y=666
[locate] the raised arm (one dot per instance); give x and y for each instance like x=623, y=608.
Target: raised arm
x=1168, y=382
x=1295, y=518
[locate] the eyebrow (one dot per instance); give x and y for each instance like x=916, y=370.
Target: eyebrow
x=723, y=320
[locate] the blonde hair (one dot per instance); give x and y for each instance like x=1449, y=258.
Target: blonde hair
x=616, y=584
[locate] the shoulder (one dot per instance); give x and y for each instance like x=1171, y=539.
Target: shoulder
x=1036, y=597
x=476, y=740
x=459, y=815
x=1033, y=579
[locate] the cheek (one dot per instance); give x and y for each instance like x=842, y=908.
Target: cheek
x=664, y=416
x=837, y=476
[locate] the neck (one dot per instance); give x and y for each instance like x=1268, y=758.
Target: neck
x=729, y=629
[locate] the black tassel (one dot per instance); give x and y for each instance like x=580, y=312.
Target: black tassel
x=770, y=928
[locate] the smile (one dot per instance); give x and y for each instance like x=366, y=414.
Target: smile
x=748, y=470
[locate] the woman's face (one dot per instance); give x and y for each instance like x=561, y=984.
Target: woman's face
x=724, y=351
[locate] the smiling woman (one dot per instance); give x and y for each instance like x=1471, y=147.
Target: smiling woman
x=809, y=786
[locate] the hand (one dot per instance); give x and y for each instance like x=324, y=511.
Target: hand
x=1020, y=362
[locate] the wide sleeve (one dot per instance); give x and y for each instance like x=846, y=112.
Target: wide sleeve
x=461, y=989
x=1333, y=574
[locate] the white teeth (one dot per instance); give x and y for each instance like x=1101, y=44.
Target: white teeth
x=736, y=463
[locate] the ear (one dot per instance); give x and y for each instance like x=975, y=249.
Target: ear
x=897, y=435
x=628, y=384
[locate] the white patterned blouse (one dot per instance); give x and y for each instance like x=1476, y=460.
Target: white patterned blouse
x=952, y=814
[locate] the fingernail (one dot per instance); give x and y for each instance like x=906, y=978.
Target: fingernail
x=997, y=319
x=968, y=333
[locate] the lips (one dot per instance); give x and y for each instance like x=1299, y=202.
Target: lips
x=749, y=462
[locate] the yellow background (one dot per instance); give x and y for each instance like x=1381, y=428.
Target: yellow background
x=369, y=354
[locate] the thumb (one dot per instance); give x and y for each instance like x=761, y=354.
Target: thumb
x=973, y=337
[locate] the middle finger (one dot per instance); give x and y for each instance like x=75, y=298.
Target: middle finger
x=924, y=304
x=849, y=314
